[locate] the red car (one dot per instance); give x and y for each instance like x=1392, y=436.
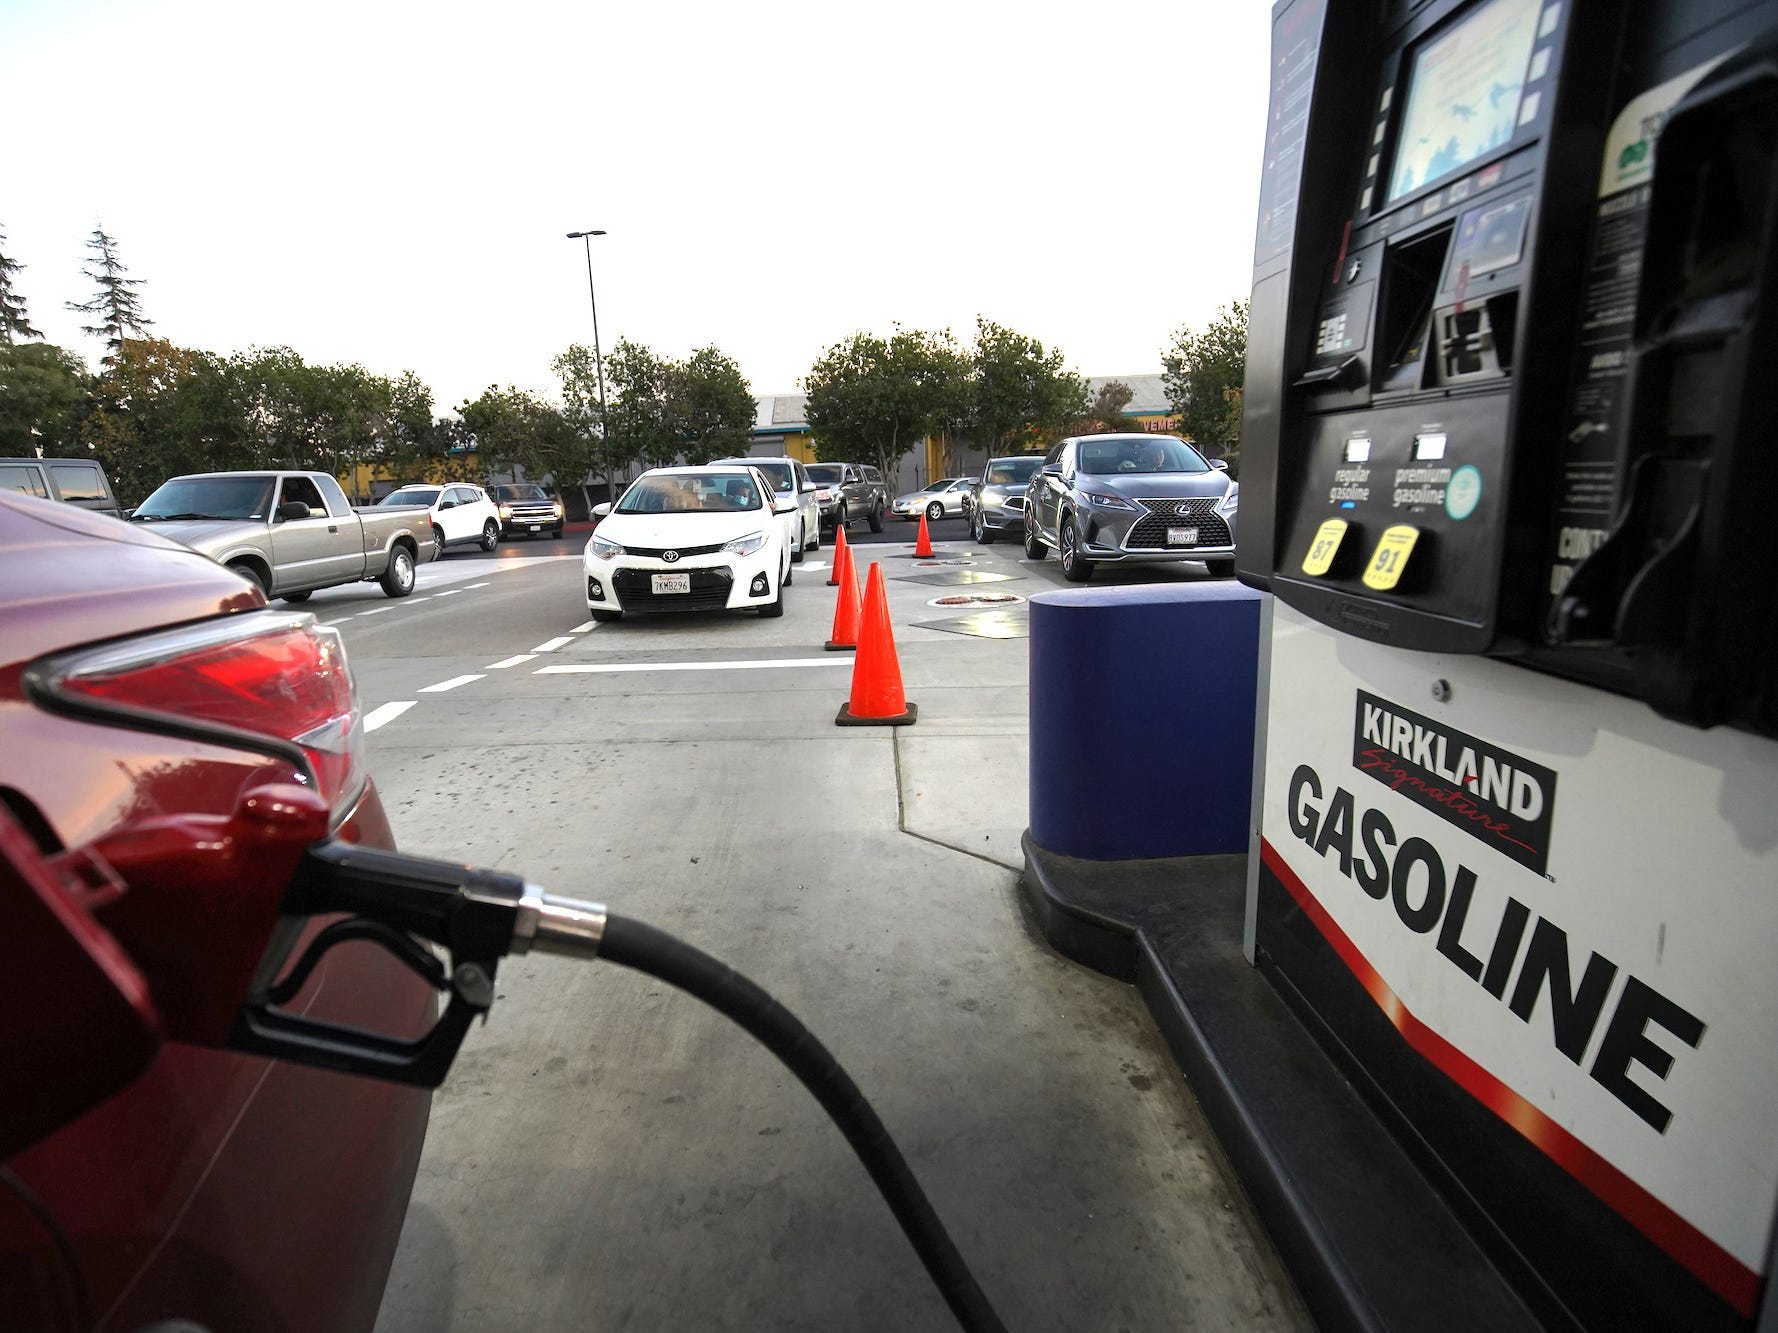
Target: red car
x=226, y=1189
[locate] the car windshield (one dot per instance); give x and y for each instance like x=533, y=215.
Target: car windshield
x=722, y=493
x=1099, y=458
x=1011, y=471
x=411, y=495
x=826, y=474
x=208, y=497
x=510, y=493
x=782, y=475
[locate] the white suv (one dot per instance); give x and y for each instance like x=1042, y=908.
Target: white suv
x=461, y=513
x=790, y=479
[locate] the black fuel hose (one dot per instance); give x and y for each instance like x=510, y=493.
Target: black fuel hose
x=660, y=955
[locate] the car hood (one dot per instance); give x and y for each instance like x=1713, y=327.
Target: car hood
x=699, y=528
x=205, y=535
x=1006, y=487
x=1157, y=485
x=918, y=495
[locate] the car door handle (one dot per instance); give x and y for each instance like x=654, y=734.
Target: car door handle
x=332, y=528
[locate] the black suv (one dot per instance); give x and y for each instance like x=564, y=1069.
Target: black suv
x=526, y=509
x=853, y=490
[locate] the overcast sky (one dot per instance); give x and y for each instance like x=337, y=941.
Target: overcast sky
x=392, y=184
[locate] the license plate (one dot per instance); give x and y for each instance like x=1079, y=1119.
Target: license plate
x=1182, y=536
x=669, y=583
x=534, y=527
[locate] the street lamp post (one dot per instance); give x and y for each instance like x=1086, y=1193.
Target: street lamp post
x=586, y=237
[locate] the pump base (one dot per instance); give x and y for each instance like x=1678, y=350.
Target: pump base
x=1367, y=1238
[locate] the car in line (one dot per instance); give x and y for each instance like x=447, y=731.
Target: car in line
x=942, y=499
x=290, y=533
x=690, y=539
x=525, y=509
x=80, y=482
x=151, y=1180
x=1135, y=499
x=855, y=490
x=460, y=514
x=790, y=478
x=997, y=499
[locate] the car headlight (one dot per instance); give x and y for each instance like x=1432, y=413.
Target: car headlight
x=1103, y=501
x=603, y=549
x=505, y=512
x=556, y=509
x=746, y=545
x=1230, y=502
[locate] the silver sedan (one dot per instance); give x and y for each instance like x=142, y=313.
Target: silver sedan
x=942, y=499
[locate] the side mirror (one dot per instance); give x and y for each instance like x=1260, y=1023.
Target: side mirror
x=602, y=509
x=1220, y=464
x=291, y=510
x=448, y=504
x=1052, y=469
x=784, y=506
x=808, y=488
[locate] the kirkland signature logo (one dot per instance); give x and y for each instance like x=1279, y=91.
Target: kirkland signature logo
x=1497, y=797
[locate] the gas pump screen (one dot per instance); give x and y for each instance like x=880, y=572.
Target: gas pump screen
x=1464, y=94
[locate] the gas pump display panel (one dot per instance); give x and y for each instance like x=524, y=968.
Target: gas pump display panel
x=1472, y=887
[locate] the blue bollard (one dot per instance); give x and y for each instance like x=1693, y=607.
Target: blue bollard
x=1142, y=715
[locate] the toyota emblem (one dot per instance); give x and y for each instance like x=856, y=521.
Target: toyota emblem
x=669, y=556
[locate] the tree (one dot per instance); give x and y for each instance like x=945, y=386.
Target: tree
x=142, y=426
x=1107, y=414
x=710, y=406
x=640, y=431
x=1204, y=373
x=44, y=393
x=116, y=305
x=517, y=432
x=872, y=399
x=12, y=306
x=582, y=408
x=1024, y=394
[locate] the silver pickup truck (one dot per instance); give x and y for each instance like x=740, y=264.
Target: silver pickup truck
x=290, y=532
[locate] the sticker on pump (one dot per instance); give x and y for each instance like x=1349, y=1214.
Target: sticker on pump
x=1325, y=547
x=1390, y=558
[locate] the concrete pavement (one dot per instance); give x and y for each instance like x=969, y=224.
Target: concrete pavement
x=610, y=1155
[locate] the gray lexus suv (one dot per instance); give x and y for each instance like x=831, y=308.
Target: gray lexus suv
x=1133, y=499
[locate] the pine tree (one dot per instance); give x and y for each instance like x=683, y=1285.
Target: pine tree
x=12, y=306
x=118, y=309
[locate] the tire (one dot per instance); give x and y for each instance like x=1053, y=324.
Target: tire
x=1075, y=567
x=490, y=535
x=557, y=534
x=790, y=572
x=814, y=543
x=1220, y=569
x=603, y=617
x=839, y=519
x=398, y=578
x=979, y=530
x=935, y=511
x=251, y=574
x=876, y=517
x=438, y=544
x=294, y=598
x=1034, y=547
x=774, y=608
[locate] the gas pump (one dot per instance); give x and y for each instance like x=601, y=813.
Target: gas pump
x=1513, y=366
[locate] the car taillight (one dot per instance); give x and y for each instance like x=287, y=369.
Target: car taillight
x=272, y=676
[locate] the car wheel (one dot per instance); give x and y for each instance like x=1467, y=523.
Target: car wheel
x=557, y=534
x=398, y=578
x=839, y=520
x=814, y=543
x=790, y=572
x=490, y=535
x=935, y=511
x=1034, y=547
x=1220, y=569
x=438, y=544
x=774, y=608
x=979, y=530
x=876, y=518
x=249, y=573
x=604, y=617
x=294, y=597
x=1074, y=568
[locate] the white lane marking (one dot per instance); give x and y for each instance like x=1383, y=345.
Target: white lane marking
x=552, y=645
x=582, y=629
x=472, y=587
x=449, y=592
x=510, y=662
x=387, y=713
x=814, y=564
x=696, y=666
x=413, y=600
x=376, y=611
x=450, y=684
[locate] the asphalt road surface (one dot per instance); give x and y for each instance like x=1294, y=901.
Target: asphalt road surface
x=607, y=1154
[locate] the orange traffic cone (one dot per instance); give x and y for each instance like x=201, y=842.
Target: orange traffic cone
x=923, y=546
x=840, y=551
x=876, y=675
x=846, y=608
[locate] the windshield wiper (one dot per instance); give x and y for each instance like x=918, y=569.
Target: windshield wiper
x=174, y=518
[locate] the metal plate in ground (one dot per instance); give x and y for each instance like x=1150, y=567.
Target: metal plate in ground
x=955, y=578
x=1013, y=624
x=976, y=601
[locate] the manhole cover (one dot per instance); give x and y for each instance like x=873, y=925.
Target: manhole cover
x=955, y=578
x=933, y=564
x=977, y=599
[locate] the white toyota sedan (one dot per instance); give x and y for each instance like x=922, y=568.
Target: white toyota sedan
x=689, y=539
